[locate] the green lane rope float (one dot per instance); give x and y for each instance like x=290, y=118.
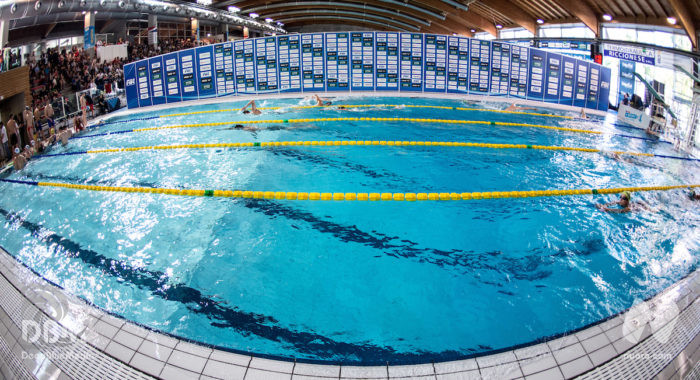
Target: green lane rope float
x=318, y=196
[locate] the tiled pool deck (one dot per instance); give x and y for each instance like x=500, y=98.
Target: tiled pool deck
x=658, y=338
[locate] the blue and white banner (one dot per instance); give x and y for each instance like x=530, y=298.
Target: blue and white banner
x=362, y=59
x=188, y=78
x=387, y=61
x=435, y=63
x=172, y=78
x=338, y=61
x=411, y=61
x=458, y=65
x=630, y=53
x=626, y=79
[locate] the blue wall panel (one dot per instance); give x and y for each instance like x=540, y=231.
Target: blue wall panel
x=411, y=63
x=593, y=87
x=172, y=78
x=568, y=77
x=366, y=61
x=205, y=72
x=266, y=65
x=479, y=67
x=387, y=61
x=289, y=57
x=537, y=73
x=132, y=97
x=553, y=78
x=313, y=78
x=458, y=64
x=188, y=76
x=223, y=67
x=435, y=69
x=143, y=83
x=338, y=61
x=604, y=92
x=581, y=83
x=519, y=68
x=155, y=66
x=362, y=61
x=500, y=69
x=244, y=66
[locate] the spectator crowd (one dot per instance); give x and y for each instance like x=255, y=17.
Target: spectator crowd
x=58, y=72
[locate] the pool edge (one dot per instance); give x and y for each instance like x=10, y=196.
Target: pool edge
x=134, y=351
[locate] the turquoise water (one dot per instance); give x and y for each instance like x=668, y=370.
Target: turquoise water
x=355, y=282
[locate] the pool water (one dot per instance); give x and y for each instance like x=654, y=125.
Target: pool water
x=355, y=282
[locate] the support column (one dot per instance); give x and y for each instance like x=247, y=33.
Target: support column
x=195, y=30
x=89, y=33
x=153, y=30
x=4, y=35
x=224, y=31
x=246, y=32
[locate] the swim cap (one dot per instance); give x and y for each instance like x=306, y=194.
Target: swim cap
x=17, y=150
x=26, y=147
x=237, y=126
x=33, y=142
x=627, y=194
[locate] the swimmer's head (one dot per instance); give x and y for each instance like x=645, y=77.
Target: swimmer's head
x=625, y=198
x=246, y=112
x=342, y=108
x=238, y=126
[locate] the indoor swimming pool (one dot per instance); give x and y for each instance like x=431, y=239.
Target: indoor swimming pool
x=361, y=282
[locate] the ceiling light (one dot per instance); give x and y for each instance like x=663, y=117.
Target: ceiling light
x=540, y=21
x=269, y=20
x=208, y=34
x=204, y=2
x=83, y=12
x=254, y=15
x=233, y=9
x=499, y=26
x=473, y=30
x=607, y=17
x=671, y=20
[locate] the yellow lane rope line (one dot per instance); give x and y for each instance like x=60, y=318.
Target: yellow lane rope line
x=361, y=143
x=315, y=196
x=377, y=119
x=372, y=105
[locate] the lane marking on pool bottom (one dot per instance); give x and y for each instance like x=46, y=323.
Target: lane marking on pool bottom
x=362, y=143
x=374, y=119
x=318, y=196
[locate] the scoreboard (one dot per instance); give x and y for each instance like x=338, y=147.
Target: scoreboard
x=366, y=61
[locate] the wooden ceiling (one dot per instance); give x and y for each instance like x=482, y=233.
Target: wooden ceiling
x=468, y=16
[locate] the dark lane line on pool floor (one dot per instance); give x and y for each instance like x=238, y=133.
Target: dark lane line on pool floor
x=523, y=268
x=221, y=316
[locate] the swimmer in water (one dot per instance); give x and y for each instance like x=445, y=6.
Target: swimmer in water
x=514, y=108
x=18, y=161
x=583, y=114
x=693, y=195
x=322, y=102
x=628, y=159
x=252, y=110
x=240, y=127
x=625, y=205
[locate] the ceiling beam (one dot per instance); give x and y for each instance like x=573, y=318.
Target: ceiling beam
x=582, y=11
x=682, y=13
x=466, y=19
x=272, y=9
x=308, y=14
x=513, y=12
x=49, y=29
x=336, y=20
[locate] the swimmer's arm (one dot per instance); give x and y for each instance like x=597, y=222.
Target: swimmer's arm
x=252, y=102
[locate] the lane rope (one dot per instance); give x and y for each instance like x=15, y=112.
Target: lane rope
x=362, y=143
x=372, y=119
x=346, y=106
x=316, y=196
